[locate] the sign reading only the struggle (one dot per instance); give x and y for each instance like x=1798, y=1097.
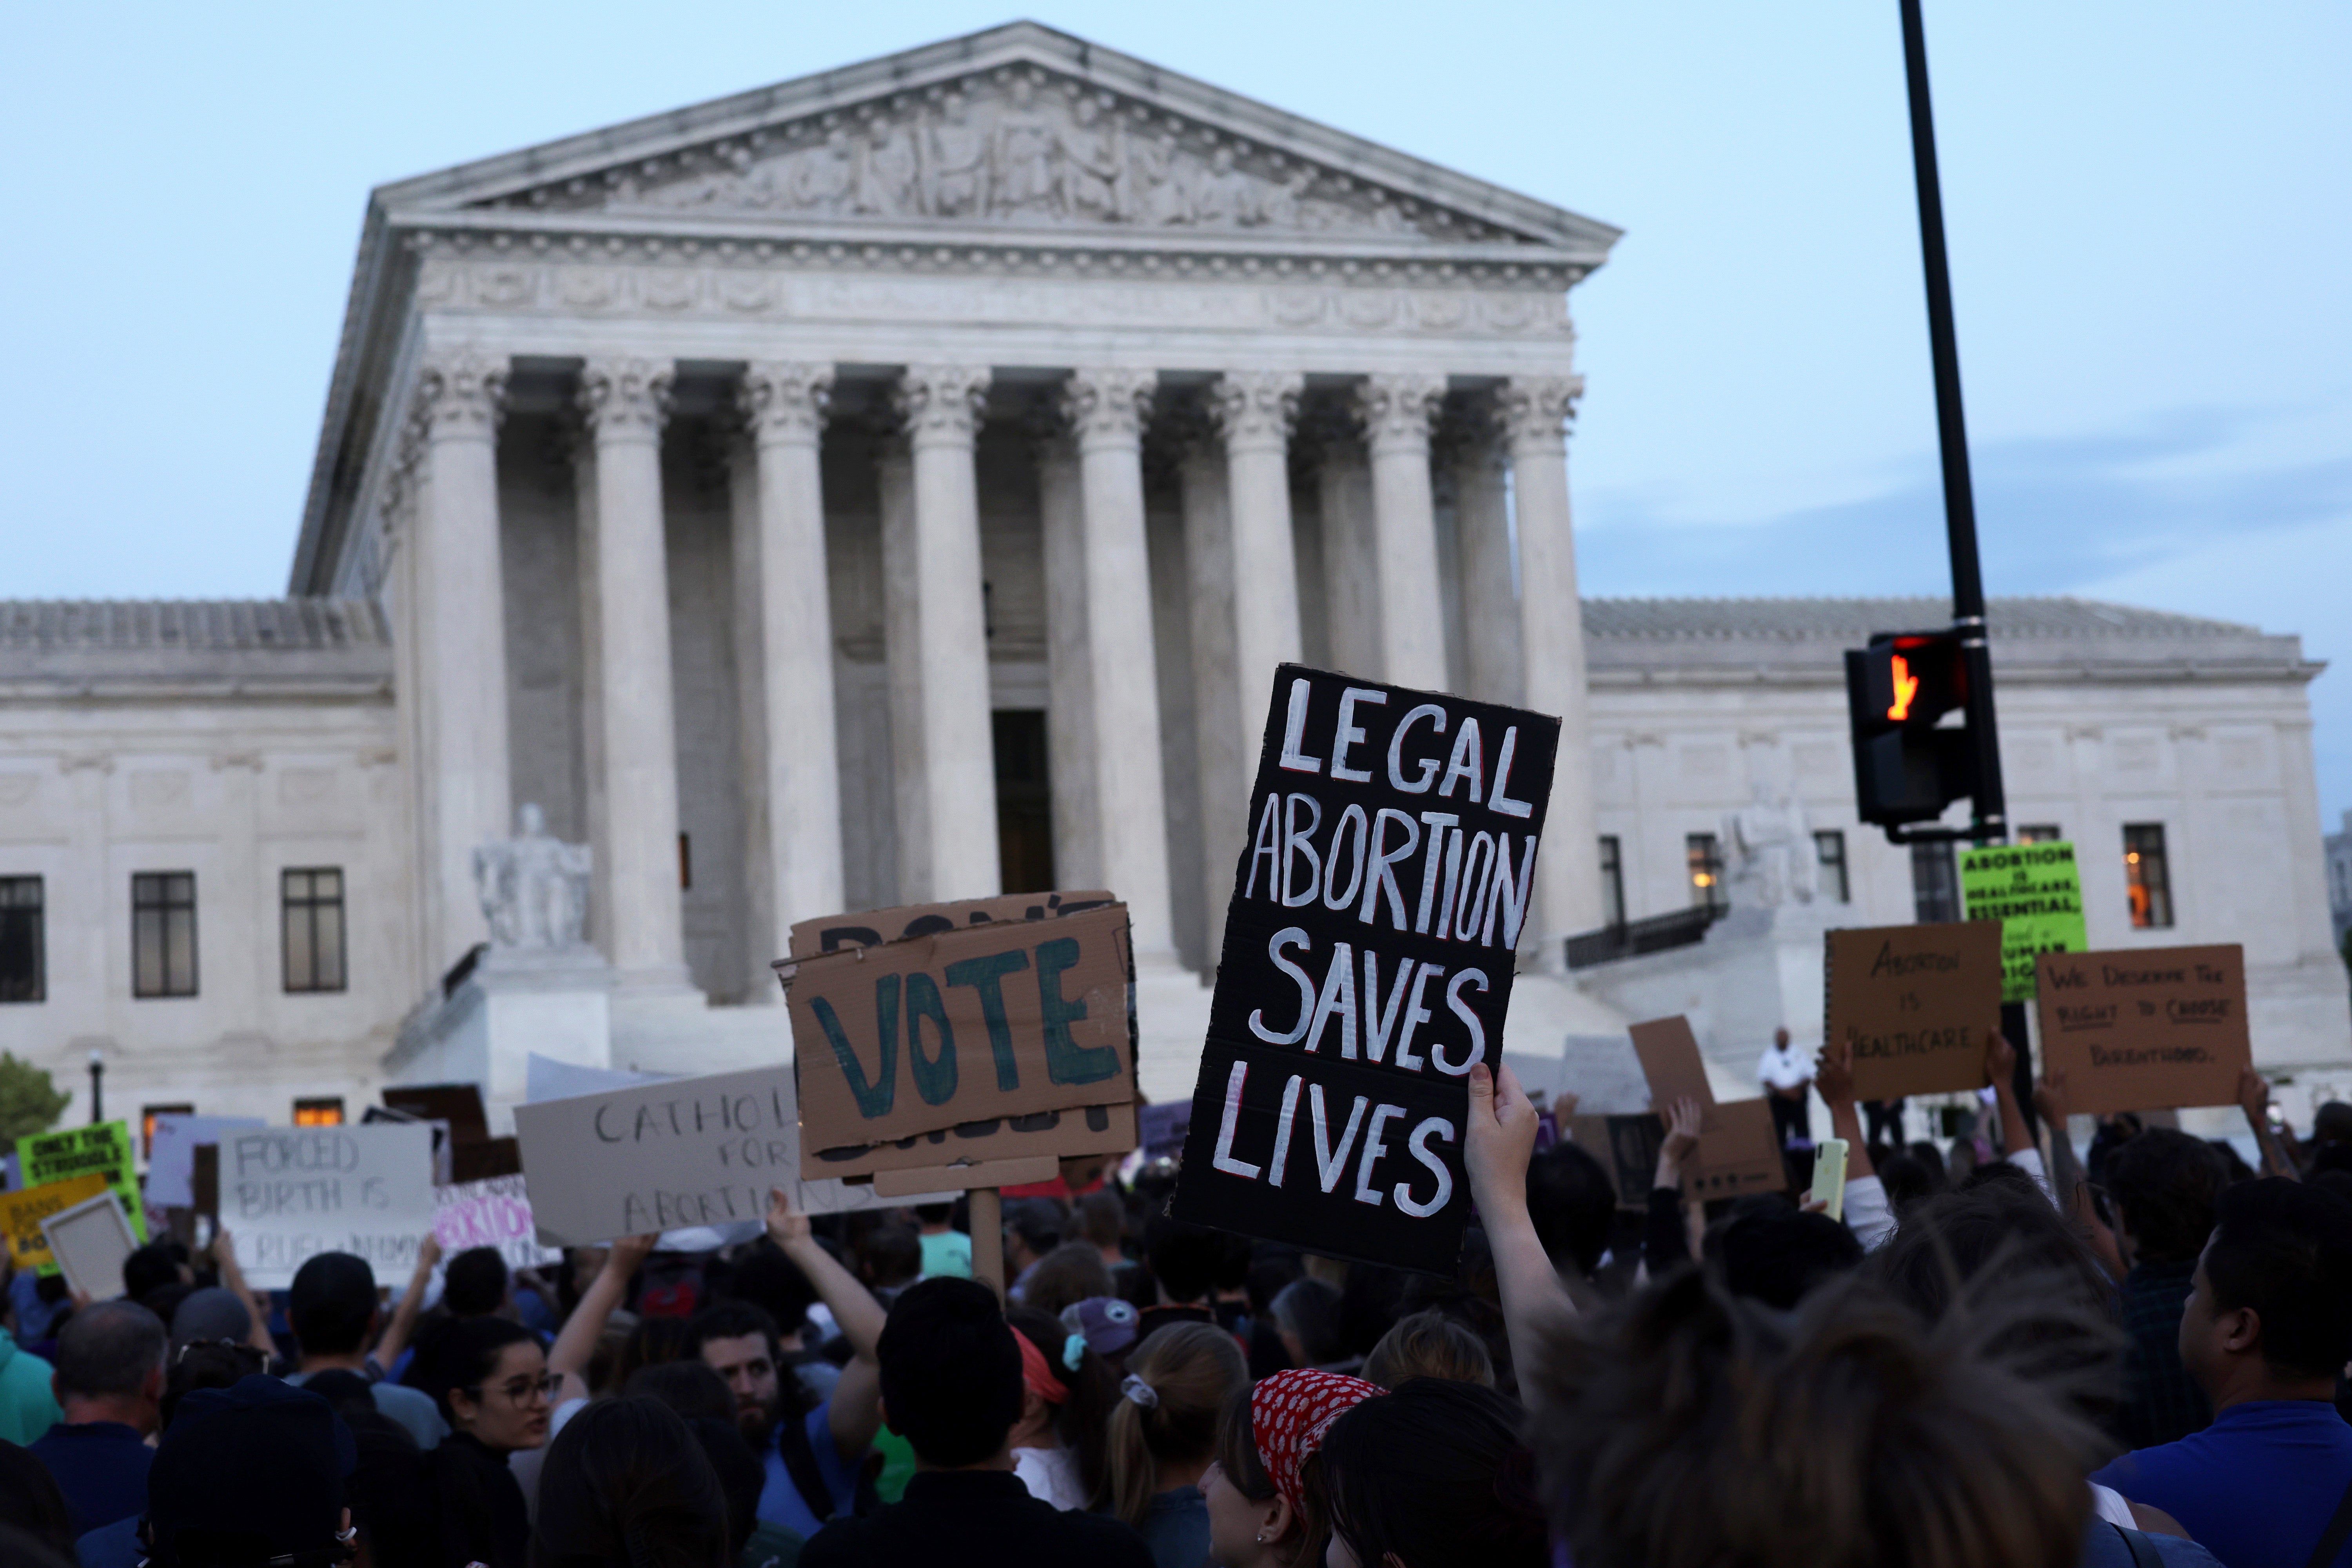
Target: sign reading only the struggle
x=1367, y=967
x=1918, y=1004
x=104, y=1149
x=2149, y=1028
x=2035, y=891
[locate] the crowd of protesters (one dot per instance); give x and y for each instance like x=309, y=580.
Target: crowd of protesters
x=1997, y=1355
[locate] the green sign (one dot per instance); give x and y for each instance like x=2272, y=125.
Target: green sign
x=103, y=1150
x=2035, y=891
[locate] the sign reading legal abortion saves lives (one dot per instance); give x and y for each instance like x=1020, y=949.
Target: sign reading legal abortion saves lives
x=1367, y=966
x=288, y=1193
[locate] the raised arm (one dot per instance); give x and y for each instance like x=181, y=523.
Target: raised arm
x=411, y=1302
x=1663, y=1243
x=1833, y=1079
x=568, y=1358
x=2254, y=1098
x=856, y=1413
x=232, y=1279
x=2073, y=1186
x=1495, y=1152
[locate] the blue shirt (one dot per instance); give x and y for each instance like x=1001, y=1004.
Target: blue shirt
x=1177, y=1529
x=781, y=1502
x=100, y=1466
x=2256, y=1487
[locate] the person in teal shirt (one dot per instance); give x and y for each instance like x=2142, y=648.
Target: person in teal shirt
x=946, y=1250
x=27, y=1405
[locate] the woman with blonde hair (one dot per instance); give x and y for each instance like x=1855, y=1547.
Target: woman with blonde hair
x=1163, y=1437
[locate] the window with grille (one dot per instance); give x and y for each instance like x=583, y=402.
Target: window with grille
x=310, y=910
x=1935, y=882
x=1704, y=853
x=164, y=933
x=1828, y=849
x=2039, y=833
x=1613, y=881
x=23, y=964
x=2148, y=876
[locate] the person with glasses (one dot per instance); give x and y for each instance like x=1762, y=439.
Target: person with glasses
x=490, y=1379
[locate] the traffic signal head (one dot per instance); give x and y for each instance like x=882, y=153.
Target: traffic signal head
x=1906, y=767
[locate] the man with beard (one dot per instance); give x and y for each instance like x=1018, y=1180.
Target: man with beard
x=811, y=1448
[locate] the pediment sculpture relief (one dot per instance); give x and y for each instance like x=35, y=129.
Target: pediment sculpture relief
x=1018, y=148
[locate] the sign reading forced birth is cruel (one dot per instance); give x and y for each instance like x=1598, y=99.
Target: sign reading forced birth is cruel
x=2150, y=1028
x=1918, y=1004
x=1016, y=1026
x=1367, y=966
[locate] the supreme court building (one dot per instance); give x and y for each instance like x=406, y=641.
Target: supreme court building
x=893, y=484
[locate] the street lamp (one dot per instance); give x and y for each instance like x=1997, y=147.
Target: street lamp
x=96, y=1091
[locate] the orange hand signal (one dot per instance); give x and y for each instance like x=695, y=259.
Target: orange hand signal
x=1906, y=687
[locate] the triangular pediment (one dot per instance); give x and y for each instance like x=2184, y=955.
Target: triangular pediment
x=1017, y=129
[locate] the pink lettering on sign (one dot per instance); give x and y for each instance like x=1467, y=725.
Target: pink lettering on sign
x=494, y=1213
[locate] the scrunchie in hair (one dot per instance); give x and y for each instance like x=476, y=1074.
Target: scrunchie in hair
x=1140, y=1391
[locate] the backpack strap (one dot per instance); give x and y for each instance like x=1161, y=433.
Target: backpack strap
x=2143, y=1551
x=2339, y=1526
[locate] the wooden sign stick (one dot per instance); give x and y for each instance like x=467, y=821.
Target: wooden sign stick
x=987, y=1222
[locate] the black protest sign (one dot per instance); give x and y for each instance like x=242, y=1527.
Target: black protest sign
x=1368, y=953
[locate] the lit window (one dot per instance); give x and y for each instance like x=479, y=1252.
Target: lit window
x=1613, y=881
x=2148, y=876
x=325, y=1112
x=1705, y=855
x=311, y=908
x=147, y=1115
x=2039, y=833
x=24, y=966
x=1829, y=848
x=164, y=933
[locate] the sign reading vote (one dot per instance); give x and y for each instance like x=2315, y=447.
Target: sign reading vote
x=104, y=1148
x=2035, y=891
x=1918, y=1004
x=668, y=1156
x=288, y=1193
x=1368, y=952
x=999, y=1021
x=2150, y=1028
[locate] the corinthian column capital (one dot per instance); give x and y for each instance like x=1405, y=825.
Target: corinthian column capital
x=783, y=401
x=461, y=396
x=1396, y=410
x=1107, y=406
x=624, y=399
x=941, y=404
x=1534, y=411
x=1257, y=407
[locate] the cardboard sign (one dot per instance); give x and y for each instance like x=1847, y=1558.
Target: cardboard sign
x=1051, y=1134
x=91, y=1240
x=2148, y=1028
x=1005, y=1019
x=172, y=1155
x=77, y=1151
x=23, y=1212
x=493, y=1213
x=685, y=1152
x=1920, y=1003
x=288, y=1193
x=2035, y=891
x=1627, y=1148
x=875, y=927
x=1738, y=1151
x=1370, y=946
x=1164, y=1129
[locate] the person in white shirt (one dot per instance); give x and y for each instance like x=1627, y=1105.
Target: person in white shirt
x=1786, y=1076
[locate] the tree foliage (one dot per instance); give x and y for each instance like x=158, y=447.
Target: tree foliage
x=30, y=1100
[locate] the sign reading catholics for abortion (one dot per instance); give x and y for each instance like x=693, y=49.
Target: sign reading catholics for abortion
x=2149, y=1028
x=1367, y=967
x=2035, y=891
x=1918, y=1004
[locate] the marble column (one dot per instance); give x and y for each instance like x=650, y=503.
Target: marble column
x=1106, y=410
x=1245, y=569
x=938, y=623
x=623, y=403
x=1535, y=412
x=459, y=615
x=1397, y=412
x=1478, y=463
x=1070, y=675
x=794, y=809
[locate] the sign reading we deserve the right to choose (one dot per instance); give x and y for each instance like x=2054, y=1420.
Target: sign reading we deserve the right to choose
x=1367, y=967
x=2149, y=1028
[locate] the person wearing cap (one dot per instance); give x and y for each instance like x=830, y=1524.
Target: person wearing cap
x=250, y=1475
x=334, y=1312
x=1110, y=1326
x=1266, y=1505
x=110, y=1384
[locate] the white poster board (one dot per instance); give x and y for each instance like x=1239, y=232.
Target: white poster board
x=171, y=1154
x=288, y=1193
x=495, y=1212
x=687, y=1152
x=91, y=1241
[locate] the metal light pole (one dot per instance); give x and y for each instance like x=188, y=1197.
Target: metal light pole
x=96, y=1091
x=1990, y=805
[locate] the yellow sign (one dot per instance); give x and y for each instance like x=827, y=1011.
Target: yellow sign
x=22, y=1214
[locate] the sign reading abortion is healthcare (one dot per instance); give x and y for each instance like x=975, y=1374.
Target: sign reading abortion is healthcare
x=1367, y=966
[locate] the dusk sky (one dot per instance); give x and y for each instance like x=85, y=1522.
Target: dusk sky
x=2147, y=202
